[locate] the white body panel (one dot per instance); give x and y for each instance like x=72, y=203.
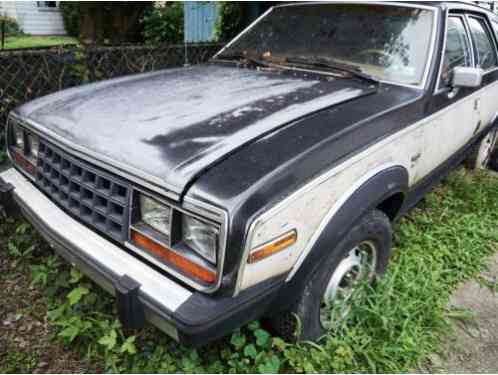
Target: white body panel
x=8, y=8
x=308, y=210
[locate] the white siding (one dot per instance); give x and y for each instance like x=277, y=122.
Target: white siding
x=38, y=21
x=8, y=8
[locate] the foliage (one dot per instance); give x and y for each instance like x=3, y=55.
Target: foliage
x=230, y=22
x=70, y=12
x=392, y=328
x=32, y=41
x=164, y=24
x=11, y=25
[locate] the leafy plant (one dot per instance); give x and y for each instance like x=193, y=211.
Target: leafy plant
x=230, y=22
x=11, y=25
x=392, y=328
x=164, y=23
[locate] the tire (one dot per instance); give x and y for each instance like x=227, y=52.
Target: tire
x=480, y=156
x=493, y=164
x=375, y=229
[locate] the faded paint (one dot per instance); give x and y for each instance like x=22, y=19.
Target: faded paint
x=310, y=208
x=174, y=124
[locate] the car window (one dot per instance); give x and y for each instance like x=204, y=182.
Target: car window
x=457, y=52
x=484, y=43
x=389, y=42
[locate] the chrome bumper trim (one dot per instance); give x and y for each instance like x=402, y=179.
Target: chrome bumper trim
x=159, y=294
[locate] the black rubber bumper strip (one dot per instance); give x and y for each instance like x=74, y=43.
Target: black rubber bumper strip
x=7, y=204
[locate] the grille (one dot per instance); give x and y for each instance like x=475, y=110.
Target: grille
x=95, y=197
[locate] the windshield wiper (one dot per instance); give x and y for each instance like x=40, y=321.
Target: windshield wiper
x=327, y=64
x=241, y=56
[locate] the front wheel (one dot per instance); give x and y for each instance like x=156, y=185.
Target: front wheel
x=327, y=297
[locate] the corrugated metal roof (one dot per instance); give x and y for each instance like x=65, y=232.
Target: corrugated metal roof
x=200, y=21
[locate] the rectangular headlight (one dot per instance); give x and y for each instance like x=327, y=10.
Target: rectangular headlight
x=200, y=237
x=155, y=215
x=33, y=146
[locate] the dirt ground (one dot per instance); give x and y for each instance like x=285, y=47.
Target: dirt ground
x=27, y=344
x=473, y=348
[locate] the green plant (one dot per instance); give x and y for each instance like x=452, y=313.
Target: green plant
x=391, y=328
x=230, y=22
x=11, y=25
x=164, y=23
x=70, y=12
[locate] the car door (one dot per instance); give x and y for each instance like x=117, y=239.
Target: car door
x=455, y=111
x=487, y=58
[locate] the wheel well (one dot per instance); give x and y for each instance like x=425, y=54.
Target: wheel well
x=392, y=205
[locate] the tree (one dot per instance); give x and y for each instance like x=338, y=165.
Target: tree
x=105, y=21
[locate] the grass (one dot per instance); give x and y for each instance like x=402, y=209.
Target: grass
x=443, y=242
x=30, y=41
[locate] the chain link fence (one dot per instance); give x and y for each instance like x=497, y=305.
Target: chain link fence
x=29, y=74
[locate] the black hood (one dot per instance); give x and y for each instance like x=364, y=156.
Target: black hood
x=172, y=125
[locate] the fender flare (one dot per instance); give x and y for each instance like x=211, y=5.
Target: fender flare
x=370, y=194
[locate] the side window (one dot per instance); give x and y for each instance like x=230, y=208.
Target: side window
x=457, y=52
x=484, y=43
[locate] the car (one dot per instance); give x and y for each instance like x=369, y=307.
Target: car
x=265, y=183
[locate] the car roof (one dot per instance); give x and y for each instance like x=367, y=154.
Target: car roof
x=444, y=5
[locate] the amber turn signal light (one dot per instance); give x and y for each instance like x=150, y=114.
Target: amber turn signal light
x=170, y=257
x=273, y=247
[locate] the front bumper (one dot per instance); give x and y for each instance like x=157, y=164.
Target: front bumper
x=187, y=316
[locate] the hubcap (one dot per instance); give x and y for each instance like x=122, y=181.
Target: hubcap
x=486, y=149
x=357, y=267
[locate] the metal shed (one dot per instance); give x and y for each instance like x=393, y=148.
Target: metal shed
x=200, y=21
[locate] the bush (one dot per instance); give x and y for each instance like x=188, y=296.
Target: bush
x=164, y=24
x=71, y=17
x=11, y=25
x=230, y=22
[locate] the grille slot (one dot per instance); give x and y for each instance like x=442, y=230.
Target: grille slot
x=93, y=196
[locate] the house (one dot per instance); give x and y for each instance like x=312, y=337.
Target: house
x=35, y=17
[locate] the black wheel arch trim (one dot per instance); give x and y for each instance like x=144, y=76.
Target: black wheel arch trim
x=380, y=187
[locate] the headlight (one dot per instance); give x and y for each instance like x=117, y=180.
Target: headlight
x=18, y=136
x=174, y=240
x=200, y=237
x=33, y=146
x=155, y=214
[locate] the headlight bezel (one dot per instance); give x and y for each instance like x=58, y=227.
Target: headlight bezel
x=214, y=217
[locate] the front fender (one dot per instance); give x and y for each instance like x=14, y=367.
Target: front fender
x=369, y=195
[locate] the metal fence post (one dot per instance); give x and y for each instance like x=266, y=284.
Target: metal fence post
x=3, y=33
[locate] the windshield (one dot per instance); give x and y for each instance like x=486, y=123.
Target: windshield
x=390, y=43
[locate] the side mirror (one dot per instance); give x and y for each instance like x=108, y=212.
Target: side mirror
x=466, y=77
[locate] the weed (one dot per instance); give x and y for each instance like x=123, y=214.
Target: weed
x=392, y=328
